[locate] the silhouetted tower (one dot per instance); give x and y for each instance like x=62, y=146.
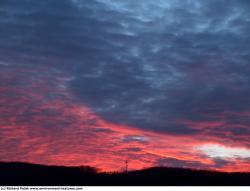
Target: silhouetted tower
x=126, y=167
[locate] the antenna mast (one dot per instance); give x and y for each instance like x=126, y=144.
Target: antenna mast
x=126, y=169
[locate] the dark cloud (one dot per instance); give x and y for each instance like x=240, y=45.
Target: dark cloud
x=146, y=64
x=132, y=149
x=135, y=138
x=220, y=163
x=173, y=162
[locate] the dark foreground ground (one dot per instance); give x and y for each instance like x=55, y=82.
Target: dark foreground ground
x=31, y=174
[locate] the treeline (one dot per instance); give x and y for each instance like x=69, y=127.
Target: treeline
x=15, y=173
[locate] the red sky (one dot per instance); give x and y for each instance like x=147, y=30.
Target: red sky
x=42, y=122
x=157, y=83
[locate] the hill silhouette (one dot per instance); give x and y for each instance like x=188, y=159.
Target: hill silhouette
x=16, y=173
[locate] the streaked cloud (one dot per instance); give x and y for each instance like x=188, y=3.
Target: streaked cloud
x=144, y=80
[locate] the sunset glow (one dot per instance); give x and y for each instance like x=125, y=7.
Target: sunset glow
x=157, y=83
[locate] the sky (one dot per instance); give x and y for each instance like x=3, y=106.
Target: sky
x=154, y=82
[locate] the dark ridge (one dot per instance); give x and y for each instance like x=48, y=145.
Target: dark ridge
x=17, y=173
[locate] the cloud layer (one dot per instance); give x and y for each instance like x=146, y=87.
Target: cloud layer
x=177, y=68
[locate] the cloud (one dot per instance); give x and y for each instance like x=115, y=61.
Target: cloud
x=135, y=138
x=223, y=152
x=173, y=162
x=178, y=68
x=146, y=64
x=166, y=60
